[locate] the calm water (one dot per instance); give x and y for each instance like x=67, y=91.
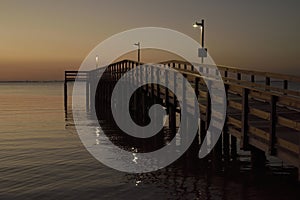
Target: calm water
x=42, y=158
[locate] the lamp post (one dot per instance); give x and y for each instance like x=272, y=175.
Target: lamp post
x=202, y=51
x=138, y=44
x=97, y=61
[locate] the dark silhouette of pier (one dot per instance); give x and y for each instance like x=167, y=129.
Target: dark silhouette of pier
x=263, y=109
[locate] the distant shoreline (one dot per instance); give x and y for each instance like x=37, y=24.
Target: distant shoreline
x=55, y=81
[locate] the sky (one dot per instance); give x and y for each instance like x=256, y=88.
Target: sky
x=41, y=39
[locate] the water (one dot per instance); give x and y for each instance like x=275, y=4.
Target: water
x=43, y=158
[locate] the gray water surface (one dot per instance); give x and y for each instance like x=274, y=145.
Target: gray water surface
x=42, y=158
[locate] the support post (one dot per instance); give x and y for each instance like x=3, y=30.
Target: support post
x=202, y=130
x=273, y=122
x=233, y=147
x=245, y=112
x=226, y=138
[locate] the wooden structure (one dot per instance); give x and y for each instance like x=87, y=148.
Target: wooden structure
x=263, y=111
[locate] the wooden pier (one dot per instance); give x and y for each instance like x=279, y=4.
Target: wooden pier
x=263, y=109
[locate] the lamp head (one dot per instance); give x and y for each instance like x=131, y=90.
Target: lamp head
x=198, y=24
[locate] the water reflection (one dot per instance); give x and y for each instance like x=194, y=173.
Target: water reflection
x=200, y=179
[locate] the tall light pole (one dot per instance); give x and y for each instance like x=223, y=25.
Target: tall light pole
x=97, y=61
x=202, y=51
x=138, y=44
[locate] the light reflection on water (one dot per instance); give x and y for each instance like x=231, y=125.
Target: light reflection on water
x=43, y=158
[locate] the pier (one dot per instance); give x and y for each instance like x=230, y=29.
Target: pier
x=263, y=109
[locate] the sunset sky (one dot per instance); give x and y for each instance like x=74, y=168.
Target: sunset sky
x=41, y=39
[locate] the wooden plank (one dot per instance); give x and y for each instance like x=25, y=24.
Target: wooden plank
x=288, y=157
x=235, y=105
x=235, y=122
x=202, y=94
x=259, y=133
x=258, y=144
x=259, y=95
x=289, y=101
x=234, y=132
x=202, y=108
x=235, y=89
x=287, y=145
x=259, y=113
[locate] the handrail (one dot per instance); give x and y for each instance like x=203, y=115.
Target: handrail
x=223, y=69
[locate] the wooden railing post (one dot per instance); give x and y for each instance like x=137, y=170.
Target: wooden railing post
x=285, y=85
x=252, y=78
x=225, y=73
x=268, y=80
x=239, y=76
